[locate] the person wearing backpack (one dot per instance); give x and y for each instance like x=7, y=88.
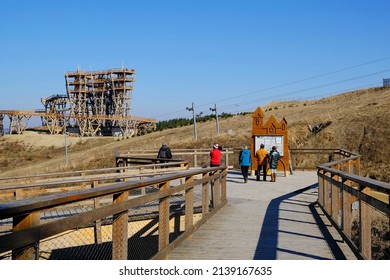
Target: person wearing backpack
x=274, y=157
x=164, y=153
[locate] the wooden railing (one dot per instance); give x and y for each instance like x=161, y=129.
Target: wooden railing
x=114, y=206
x=25, y=186
x=357, y=206
x=196, y=157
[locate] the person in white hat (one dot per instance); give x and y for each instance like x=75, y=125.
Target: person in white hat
x=215, y=156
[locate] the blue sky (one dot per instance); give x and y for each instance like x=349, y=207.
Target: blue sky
x=235, y=54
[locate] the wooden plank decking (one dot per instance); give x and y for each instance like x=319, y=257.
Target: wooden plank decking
x=264, y=220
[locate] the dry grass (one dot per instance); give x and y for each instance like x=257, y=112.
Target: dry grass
x=360, y=123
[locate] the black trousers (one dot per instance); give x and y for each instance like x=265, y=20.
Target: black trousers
x=244, y=171
x=261, y=168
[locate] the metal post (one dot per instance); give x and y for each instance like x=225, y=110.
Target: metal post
x=216, y=116
x=194, y=117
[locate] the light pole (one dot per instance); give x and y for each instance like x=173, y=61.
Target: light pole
x=216, y=116
x=194, y=117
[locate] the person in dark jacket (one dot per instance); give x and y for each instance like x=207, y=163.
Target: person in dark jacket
x=164, y=153
x=245, y=161
x=273, y=160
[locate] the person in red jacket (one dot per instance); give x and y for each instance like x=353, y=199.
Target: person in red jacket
x=215, y=156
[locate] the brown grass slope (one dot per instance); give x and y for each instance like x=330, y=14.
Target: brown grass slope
x=360, y=123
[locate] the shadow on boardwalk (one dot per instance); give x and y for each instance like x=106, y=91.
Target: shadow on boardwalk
x=267, y=246
x=267, y=221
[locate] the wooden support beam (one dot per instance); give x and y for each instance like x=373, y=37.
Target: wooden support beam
x=31, y=251
x=120, y=230
x=189, y=202
x=163, y=223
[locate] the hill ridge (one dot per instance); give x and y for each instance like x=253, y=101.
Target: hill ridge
x=359, y=122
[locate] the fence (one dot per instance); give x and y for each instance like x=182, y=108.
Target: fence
x=358, y=207
x=195, y=157
x=115, y=220
x=22, y=187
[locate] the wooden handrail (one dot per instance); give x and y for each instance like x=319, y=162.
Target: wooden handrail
x=29, y=230
x=90, y=171
x=177, y=153
x=340, y=187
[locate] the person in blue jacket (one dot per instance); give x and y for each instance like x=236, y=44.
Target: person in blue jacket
x=245, y=161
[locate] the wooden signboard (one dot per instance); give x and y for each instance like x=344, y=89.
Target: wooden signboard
x=271, y=133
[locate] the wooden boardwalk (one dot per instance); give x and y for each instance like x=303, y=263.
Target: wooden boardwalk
x=267, y=221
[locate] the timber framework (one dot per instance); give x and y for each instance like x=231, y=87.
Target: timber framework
x=96, y=103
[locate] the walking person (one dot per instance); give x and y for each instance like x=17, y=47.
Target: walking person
x=262, y=161
x=274, y=157
x=215, y=156
x=245, y=161
x=164, y=153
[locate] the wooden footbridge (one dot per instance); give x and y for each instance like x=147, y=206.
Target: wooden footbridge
x=146, y=210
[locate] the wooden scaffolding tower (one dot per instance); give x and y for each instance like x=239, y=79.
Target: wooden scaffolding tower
x=99, y=101
x=96, y=103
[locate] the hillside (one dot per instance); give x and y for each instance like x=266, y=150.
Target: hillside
x=359, y=123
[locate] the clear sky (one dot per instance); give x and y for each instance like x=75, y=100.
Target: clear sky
x=235, y=54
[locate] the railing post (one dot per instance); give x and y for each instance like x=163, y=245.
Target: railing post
x=223, y=189
x=335, y=200
x=18, y=194
x=327, y=196
x=120, y=230
x=347, y=214
x=83, y=183
x=227, y=158
x=216, y=191
x=205, y=195
x=143, y=189
x=365, y=227
x=30, y=252
x=189, y=202
x=321, y=189
x=98, y=224
x=163, y=223
x=195, y=158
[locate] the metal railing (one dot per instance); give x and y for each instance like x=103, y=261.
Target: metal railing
x=114, y=221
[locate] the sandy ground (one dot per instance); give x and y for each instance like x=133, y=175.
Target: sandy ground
x=35, y=139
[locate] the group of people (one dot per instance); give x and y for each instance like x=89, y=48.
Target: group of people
x=264, y=158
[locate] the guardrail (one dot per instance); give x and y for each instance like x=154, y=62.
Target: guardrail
x=21, y=187
x=195, y=157
x=122, y=223
x=358, y=207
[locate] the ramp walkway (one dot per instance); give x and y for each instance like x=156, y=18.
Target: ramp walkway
x=267, y=221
